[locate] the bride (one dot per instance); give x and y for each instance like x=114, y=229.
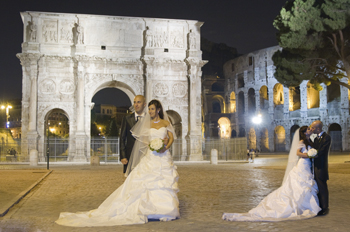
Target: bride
x=150, y=189
x=297, y=197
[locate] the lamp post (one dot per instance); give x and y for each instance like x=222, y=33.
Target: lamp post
x=8, y=107
x=48, y=147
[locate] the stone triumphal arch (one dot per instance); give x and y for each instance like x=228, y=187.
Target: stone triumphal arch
x=67, y=58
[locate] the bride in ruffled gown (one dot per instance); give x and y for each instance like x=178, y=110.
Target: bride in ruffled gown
x=150, y=189
x=297, y=197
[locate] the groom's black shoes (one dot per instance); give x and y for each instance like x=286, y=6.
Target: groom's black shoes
x=323, y=212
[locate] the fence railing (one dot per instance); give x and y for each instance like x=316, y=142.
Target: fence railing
x=108, y=149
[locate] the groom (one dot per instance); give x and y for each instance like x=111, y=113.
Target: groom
x=322, y=144
x=127, y=141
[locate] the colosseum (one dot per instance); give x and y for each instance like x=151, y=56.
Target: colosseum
x=249, y=102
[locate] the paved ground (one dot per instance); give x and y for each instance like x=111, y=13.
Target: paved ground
x=206, y=191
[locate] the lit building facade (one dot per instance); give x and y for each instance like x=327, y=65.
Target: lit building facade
x=251, y=89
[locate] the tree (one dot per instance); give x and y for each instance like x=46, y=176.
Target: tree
x=314, y=36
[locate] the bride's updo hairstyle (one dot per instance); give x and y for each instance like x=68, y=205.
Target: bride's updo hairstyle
x=158, y=106
x=302, y=136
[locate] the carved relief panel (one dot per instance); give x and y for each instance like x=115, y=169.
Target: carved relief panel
x=49, y=31
x=66, y=32
x=47, y=86
x=179, y=89
x=160, y=37
x=176, y=37
x=160, y=89
x=66, y=86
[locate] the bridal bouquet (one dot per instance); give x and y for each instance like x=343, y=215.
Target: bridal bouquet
x=156, y=145
x=312, y=153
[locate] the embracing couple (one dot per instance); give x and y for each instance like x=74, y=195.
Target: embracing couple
x=150, y=190
x=304, y=191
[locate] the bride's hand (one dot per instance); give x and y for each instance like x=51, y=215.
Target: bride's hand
x=163, y=149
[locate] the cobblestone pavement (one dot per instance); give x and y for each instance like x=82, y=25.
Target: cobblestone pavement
x=206, y=191
x=13, y=187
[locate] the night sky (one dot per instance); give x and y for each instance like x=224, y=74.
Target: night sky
x=243, y=24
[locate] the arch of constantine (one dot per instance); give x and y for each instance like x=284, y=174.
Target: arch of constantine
x=67, y=58
x=251, y=90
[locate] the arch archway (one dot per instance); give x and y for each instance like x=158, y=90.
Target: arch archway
x=233, y=134
x=278, y=97
x=333, y=93
x=109, y=106
x=218, y=104
x=241, y=132
x=240, y=80
x=294, y=98
x=176, y=147
x=280, y=138
x=232, y=102
x=240, y=105
x=292, y=132
x=56, y=130
x=114, y=84
x=313, y=96
x=176, y=121
x=264, y=97
x=264, y=143
x=251, y=101
x=225, y=127
x=333, y=99
x=335, y=131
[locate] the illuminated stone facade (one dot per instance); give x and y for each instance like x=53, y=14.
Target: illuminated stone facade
x=251, y=89
x=67, y=58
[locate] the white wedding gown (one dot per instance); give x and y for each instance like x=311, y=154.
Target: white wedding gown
x=149, y=192
x=295, y=199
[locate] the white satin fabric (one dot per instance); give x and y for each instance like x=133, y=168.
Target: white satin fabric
x=295, y=199
x=149, y=192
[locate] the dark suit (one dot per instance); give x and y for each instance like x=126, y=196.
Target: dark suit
x=127, y=141
x=322, y=145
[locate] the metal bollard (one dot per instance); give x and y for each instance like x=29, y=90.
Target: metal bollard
x=214, y=156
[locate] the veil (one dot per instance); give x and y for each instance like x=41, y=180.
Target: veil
x=141, y=132
x=292, y=158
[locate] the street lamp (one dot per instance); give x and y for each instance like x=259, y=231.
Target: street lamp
x=8, y=107
x=257, y=119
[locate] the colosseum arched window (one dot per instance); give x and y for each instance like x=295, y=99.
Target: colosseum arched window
x=280, y=138
x=264, y=142
x=278, y=98
x=218, y=104
x=294, y=98
x=333, y=93
x=264, y=98
x=335, y=132
x=313, y=96
x=251, y=101
x=240, y=104
x=232, y=102
x=225, y=127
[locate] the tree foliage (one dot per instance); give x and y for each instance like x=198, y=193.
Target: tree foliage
x=314, y=36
